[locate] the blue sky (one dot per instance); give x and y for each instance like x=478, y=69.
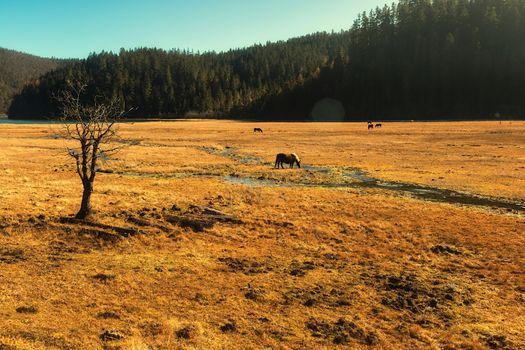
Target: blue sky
x=74, y=28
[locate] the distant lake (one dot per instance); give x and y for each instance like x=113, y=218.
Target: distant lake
x=5, y=120
x=24, y=122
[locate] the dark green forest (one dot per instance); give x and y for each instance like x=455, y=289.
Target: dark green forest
x=416, y=59
x=18, y=69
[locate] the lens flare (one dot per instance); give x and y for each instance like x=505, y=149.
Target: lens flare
x=328, y=110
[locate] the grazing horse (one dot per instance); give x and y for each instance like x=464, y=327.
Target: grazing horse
x=288, y=159
x=257, y=130
x=370, y=126
x=378, y=125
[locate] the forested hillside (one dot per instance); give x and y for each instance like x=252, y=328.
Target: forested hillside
x=18, y=69
x=423, y=59
x=160, y=83
x=416, y=58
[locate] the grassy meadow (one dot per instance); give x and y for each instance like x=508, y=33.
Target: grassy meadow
x=198, y=243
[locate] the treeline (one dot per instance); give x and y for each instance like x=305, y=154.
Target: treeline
x=426, y=59
x=175, y=83
x=18, y=69
x=416, y=58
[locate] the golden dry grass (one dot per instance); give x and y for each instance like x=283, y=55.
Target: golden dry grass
x=308, y=267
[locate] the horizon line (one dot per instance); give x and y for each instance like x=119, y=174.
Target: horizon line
x=191, y=51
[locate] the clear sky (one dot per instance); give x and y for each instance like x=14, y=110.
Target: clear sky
x=74, y=28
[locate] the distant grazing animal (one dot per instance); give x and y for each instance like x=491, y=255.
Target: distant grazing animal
x=257, y=130
x=288, y=159
x=378, y=125
x=370, y=126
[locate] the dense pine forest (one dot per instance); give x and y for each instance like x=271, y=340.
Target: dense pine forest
x=414, y=59
x=175, y=83
x=18, y=69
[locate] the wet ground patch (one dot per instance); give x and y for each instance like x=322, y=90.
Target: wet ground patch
x=193, y=217
x=26, y=310
x=108, y=315
x=445, y=250
x=357, y=178
x=104, y=277
x=336, y=177
x=198, y=218
x=324, y=177
x=408, y=292
x=12, y=255
x=441, y=195
x=317, y=296
x=248, y=266
x=341, y=331
x=109, y=335
x=498, y=342
x=300, y=268
x=253, y=293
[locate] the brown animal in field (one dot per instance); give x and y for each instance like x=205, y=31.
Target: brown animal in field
x=257, y=130
x=288, y=159
x=378, y=125
x=370, y=126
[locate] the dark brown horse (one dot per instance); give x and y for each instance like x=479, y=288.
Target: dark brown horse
x=288, y=159
x=378, y=125
x=257, y=130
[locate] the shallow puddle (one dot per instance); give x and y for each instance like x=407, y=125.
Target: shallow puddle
x=444, y=195
x=360, y=179
x=350, y=178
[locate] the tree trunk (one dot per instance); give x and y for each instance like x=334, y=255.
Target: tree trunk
x=85, y=206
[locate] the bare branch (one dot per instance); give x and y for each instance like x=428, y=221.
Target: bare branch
x=92, y=126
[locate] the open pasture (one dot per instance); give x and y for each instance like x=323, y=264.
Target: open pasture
x=200, y=244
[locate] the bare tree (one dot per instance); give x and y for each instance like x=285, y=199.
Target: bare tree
x=91, y=126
